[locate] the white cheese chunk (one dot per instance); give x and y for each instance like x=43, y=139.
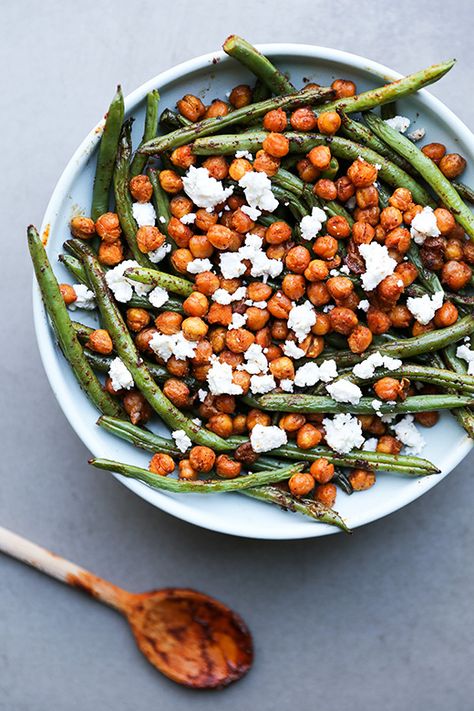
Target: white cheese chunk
x=144, y=213
x=344, y=391
x=424, y=307
x=378, y=264
x=264, y=439
x=343, y=432
x=408, y=435
x=203, y=189
x=424, y=225
x=120, y=375
x=183, y=442
x=311, y=225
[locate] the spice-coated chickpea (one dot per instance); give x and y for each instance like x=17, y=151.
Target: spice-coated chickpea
x=390, y=217
x=177, y=368
x=169, y=322
x=322, y=325
x=297, y=259
x=369, y=214
x=301, y=484
x=82, y=227
x=444, y=220
x=303, y=119
x=257, y=417
x=435, y=151
x=362, y=174
x=456, y=275
x=325, y=189
x=388, y=388
x=219, y=236
x=294, y=285
x=282, y=368
x=241, y=222
x=217, y=167
x=320, y=157
x=180, y=259
x=361, y=479
x=279, y=305
x=468, y=252
x=322, y=470
x=239, y=167
x=204, y=219
x=266, y=163
x=360, y=339
x=143, y=338
x=410, y=213
x=278, y=232
x=180, y=206
x=339, y=287
x=276, y=144
x=329, y=122
x=256, y=318
x=345, y=188
x=390, y=289
x=308, y=436
x=196, y=304
x=258, y=291
x=325, y=247
x=337, y=226
x=446, y=315
x=149, y=238
x=220, y=424
x=179, y=232
x=400, y=316
x=185, y=471
x=225, y=403
x=177, y=391
x=239, y=426
x=183, y=157
x=452, y=165
x=200, y=247
x=318, y=294
x=326, y=494
x=275, y=121
x=108, y=227
x=68, y=293
x=453, y=250
x=239, y=340
x=291, y=422
x=191, y=107
x=227, y=468
x=161, y=464
x=137, y=319
x=203, y=352
x=170, y=181
x=273, y=352
x=279, y=329
x=110, y=253
x=399, y=239
x=427, y=419
x=349, y=302
x=194, y=328
x=378, y=321
x=216, y=108
x=202, y=458
x=141, y=188
x=206, y=282
x=389, y=445
x=99, y=341
x=220, y=314
x=277, y=251
x=343, y=88
x=306, y=170
x=418, y=328
x=263, y=337
x=401, y=198
x=240, y=95
x=342, y=320
x=362, y=232
x=137, y=407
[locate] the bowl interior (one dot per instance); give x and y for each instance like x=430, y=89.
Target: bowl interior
x=210, y=77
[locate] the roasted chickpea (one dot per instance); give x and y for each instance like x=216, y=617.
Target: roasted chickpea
x=326, y=494
x=306, y=170
x=257, y=291
x=202, y=458
x=179, y=232
x=468, y=252
x=143, y=338
x=196, y=304
x=456, y=275
x=325, y=189
x=136, y=407
x=278, y=232
x=320, y=157
x=452, y=165
x=170, y=181
x=361, y=479
x=240, y=95
x=206, y=282
x=362, y=233
x=389, y=445
x=337, y=226
x=180, y=259
x=446, y=315
x=308, y=436
x=168, y=322
x=82, y=227
x=362, y=174
x=241, y=222
x=177, y=368
x=345, y=189
x=369, y=214
x=318, y=294
x=239, y=340
x=194, y=328
x=342, y=320
x=401, y=198
x=239, y=167
x=227, y=468
x=317, y=270
x=322, y=470
x=282, y=368
x=329, y=122
x=239, y=426
x=325, y=247
x=360, y=339
x=68, y=293
x=378, y=321
x=301, y=484
x=291, y=422
x=279, y=305
x=444, y=220
x=276, y=144
x=99, y=341
x=217, y=168
x=204, y=219
x=435, y=151
x=389, y=388
x=257, y=417
x=216, y=108
x=191, y=107
x=180, y=206
x=294, y=286
x=183, y=157
x=279, y=330
x=343, y=88
x=178, y=392
x=390, y=289
x=220, y=237
x=410, y=213
x=141, y=188
x=398, y=239
x=303, y=119
x=108, y=227
x=220, y=424
x=400, y=316
x=427, y=419
x=185, y=470
x=110, y=253
x=297, y=259
x=453, y=250
x=200, y=247
x=419, y=328
x=390, y=217
x=275, y=121
x=161, y=464
x=322, y=325
x=149, y=238
x=266, y=163
x=339, y=287
x=256, y=318
x=367, y=197
x=220, y=313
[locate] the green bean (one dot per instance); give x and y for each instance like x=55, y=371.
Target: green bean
x=388, y=111
x=259, y=65
x=106, y=157
x=123, y=201
x=138, y=436
x=209, y=126
x=161, y=202
x=341, y=479
x=149, y=131
x=428, y=278
x=304, y=142
x=173, y=119
x=464, y=191
x=308, y=507
x=331, y=172
x=298, y=402
x=390, y=92
x=198, y=486
x=427, y=169
x=63, y=329
x=153, y=277
x=127, y=352
x=420, y=373
x=260, y=92
x=359, y=133
x=288, y=199
x=464, y=415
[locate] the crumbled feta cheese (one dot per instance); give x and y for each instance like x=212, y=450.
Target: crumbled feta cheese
x=301, y=318
x=222, y=296
x=344, y=391
x=203, y=189
x=351, y=203
x=334, y=272
x=202, y=394
x=219, y=378
x=378, y=264
x=238, y=321
x=328, y=308
x=417, y=134
x=231, y=265
x=408, y=435
x=258, y=191
x=251, y=250
x=291, y=350
x=424, y=225
x=328, y=370
x=244, y=154
x=376, y=404
x=157, y=255
x=261, y=384
x=183, y=442
x=158, y=297
x=188, y=219
x=311, y=225
x=345, y=269
x=197, y=421
x=399, y=123
x=84, y=298
x=162, y=219
x=165, y=346
x=144, y=213
x=424, y=307
x=197, y=266
x=366, y=368
x=287, y=385
x=256, y=304
x=370, y=445
x=264, y=439
x=121, y=287
x=307, y=375
x=343, y=432
x=467, y=354
x=255, y=360
x=253, y=212
x=120, y=375
x=363, y=305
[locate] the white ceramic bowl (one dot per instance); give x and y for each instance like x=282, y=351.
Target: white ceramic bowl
x=210, y=76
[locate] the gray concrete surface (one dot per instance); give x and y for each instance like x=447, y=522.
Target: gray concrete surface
x=382, y=620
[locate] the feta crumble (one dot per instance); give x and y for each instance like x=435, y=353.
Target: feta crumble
x=363, y=305
x=301, y=318
x=307, y=375
x=202, y=394
x=231, y=265
x=408, y=435
x=328, y=370
x=378, y=264
x=370, y=445
x=291, y=350
x=183, y=442
x=203, y=189
x=255, y=360
x=376, y=404
x=467, y=354
x=287, y=385
x=253, y=212
x=311, y=225
x=258, y=191
x=222, y=296
x=261, y=384
x=244, y=154
x=264, y=439
x=84, y=298
x=344, y=391
x=424, y=225
x=120, y=375
x=144, y=213
x=188, y=219
x=158, y=297
x=157, y=255
x=121, y=287
x=399, y=123
x=238, y=321
x=219, y=378
x=343, y=432
x=197, y=266
x=256, y=304
x=417, y=134
x=366, y=368
x=175, y=344
x=424, y=307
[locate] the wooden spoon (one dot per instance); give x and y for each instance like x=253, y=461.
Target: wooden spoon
x=189, y=637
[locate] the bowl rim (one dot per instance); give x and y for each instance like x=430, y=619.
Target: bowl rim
x=46, y=342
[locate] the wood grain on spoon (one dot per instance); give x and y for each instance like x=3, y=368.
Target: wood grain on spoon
x=190, y=637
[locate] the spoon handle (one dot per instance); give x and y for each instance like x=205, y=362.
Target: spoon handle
x=62, y=569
